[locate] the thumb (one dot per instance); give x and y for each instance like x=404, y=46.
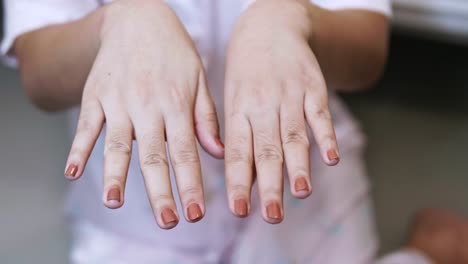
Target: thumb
x=206, y=121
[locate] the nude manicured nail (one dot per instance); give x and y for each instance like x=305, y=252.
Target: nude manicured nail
x=301, y=185
x=240, y=207
x=194, y=212
x=333, y=155
x=71, y=170
x=273, y=211
x=114, y=194
x=169, y=217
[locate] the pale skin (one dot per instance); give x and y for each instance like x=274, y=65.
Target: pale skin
x=160, y=94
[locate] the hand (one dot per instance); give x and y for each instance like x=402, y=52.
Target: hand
x=148, y=83
x=274, y=83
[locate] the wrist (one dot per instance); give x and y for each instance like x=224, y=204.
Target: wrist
x=129, y=13
x=300, y=16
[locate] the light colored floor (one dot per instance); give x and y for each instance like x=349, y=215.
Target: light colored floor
x=418, y=141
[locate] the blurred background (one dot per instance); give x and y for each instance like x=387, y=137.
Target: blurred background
x=416, y=120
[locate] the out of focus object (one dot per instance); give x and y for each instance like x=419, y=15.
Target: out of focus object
x=442, y=19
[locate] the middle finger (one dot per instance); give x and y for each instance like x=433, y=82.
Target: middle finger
x=185, y=161
x=269, y=164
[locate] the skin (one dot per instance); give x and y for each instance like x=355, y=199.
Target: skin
x=160, y=94
x=275, y=88
x=441, y=235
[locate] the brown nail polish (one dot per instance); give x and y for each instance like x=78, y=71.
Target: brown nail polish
x=240, y=207
x=71, y=170
x=194, y=212
x=219, y=142
x=301, y=185
x=273, y=211
x=169, y=217
x=333, y=155
x=114, y=194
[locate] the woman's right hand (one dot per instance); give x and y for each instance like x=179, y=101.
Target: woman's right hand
x=147, y=83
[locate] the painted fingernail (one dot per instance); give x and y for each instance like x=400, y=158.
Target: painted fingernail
x=301, y=185
x=71, y=171
x=219, y=142
x=169, y=217
x=240, y=207
x=114, y=194
x=333, y=155
x=194, y=212
x=273, y=211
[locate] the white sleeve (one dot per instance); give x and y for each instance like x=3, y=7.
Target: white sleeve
x=379, y=6
x=405, y=257
x=22, y=16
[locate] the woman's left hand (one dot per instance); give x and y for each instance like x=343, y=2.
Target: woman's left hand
x=274, y=86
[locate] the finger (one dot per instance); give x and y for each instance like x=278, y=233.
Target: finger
x=89, y=127
x=296, y=147
x=186, y=163
x=320, y=121
x=269, y=163
x=239, y=163
x=117, y=153
x=206, y=121
x=155, y=170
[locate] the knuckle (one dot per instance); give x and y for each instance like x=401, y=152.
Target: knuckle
x=301, y=172
x=111, y=180
x=210, y=117
x=207, y=118
x=154, y=155
x=238, y=188
x=160, y=198
x=184, y=157
x=154, y=160
x=118, y=145
x=327, y=138
x=272, y=191
x=85, y=125
x=236, y=155
x=320, y=111
x=192, y=191
x=295, y=134
x=269, y=152
x=295, y=137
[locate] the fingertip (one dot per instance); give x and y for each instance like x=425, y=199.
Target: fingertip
x=113, y=198
x=194, y=213
x=302, y=188
x=113, y=204
x=273, y=213
x=240, y=208
x=332, y=157
x=72, y=172
x=168, y=226
x=167, y=219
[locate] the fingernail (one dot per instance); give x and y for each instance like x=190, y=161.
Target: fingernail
x=273, y=211
x=333, y=155
x=194, y=212
x=240, y=207
x=114, y=194
x=71, y=170
x=219, y=142
x=301, y=185
x=169, y=217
